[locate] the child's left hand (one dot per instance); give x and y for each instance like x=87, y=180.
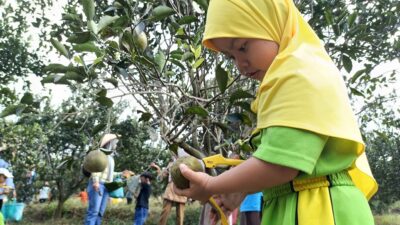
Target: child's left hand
x=199, y=182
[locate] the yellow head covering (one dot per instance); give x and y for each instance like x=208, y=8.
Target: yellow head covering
x=302, y=88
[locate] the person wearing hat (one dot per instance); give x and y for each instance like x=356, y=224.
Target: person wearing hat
x=97, y=192
x=142, y=201
x=4, y=188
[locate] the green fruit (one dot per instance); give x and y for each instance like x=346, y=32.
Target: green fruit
x=140, y=39
x=179, y=180
x=95, y=161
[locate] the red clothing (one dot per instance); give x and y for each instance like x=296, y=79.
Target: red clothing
x=84, y=196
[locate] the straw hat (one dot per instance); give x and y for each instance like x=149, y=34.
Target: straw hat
x=6, y=173
x=107, y=138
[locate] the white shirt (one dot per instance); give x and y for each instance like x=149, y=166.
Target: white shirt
x=44, y=192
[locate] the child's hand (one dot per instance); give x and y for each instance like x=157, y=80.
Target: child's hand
x=198, y=184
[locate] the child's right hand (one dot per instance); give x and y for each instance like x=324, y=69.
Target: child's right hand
x=199, y=182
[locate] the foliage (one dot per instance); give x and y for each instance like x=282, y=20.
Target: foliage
x=136, y=151
x=16, y=57
x=384, y=155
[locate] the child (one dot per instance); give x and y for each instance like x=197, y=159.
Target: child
x=83, y=195
x=250, y=209
x=310, y=161
x=142, y=201
x=44, y=193
x=4, y=188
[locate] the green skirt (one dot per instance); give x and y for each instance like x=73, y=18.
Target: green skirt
x=327, y=200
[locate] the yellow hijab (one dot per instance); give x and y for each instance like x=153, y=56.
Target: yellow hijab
x=302, y=88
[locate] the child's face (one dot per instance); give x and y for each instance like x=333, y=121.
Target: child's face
x=251, y=56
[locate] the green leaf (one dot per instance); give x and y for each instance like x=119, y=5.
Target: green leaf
x=102, y=93
x=104, y=101
x=27, y=98
x=328, y=16
x=198, y=63
x=236, y=117
x=239, y=94
x=356, y=92
x=203, y=4
x=160, y=60
x=105, y=21
x=86, y=47
x=113, y=81
x=246, y=147
x=9, y=110
x=56, y=68
x=88, y=9
x=347, y=63
x=98, y=128
x=197, y=52
x=80, y=37
x=54, y=78
x=187, y=20
x=70, y=17
x=160, y=12
x=145, y=116
x=60, y=47
x=187, y=56
x=244, y=105
x=352, y=19
x=197, y=110
x=92, y=26
x=71, y=75
x=222, y=78
x=357, y=75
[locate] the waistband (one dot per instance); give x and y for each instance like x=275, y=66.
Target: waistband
x=337, y=179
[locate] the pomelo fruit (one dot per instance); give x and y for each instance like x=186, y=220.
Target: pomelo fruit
x=179, y=180
x=95, y=161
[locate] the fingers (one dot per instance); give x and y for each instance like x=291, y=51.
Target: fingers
x=186, y=171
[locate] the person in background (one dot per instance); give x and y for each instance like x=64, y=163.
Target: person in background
x=4, y=189
x=44, y=193
x=97, y=192
x=250, y=209
x=129, y=195
x=142, y=201
x=170, y=198
x=83, y=195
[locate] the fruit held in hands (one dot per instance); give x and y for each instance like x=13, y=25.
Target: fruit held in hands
x=95, y=161
x=179, y=180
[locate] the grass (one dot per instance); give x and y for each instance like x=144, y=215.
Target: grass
x=122, y=214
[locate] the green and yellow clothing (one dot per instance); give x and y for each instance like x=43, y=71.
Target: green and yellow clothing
x=301, y=91
x=311, y=199
x=302, y=88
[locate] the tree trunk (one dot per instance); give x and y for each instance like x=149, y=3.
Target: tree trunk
x=59, y=210
x=61, y=200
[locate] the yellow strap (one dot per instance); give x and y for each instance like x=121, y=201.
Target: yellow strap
x=310, y=183
x=221, y=214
